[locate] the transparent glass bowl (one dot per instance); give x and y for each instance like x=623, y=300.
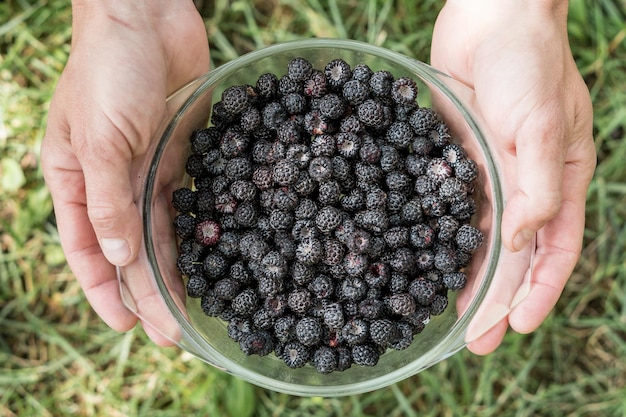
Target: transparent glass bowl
x=154, y=290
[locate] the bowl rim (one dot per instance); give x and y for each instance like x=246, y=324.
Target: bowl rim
x=453, y=340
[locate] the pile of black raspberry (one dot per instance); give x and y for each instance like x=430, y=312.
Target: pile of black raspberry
x=329, y=215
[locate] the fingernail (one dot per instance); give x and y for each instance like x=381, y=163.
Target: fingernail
x=115, y=250
x=522, y=238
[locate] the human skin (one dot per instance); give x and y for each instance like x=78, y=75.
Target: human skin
x=126, y=58
x=515, y=56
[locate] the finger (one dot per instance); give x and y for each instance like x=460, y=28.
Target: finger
x=558, y=248
x=490, y=340
x=540, y=155
x=112, y=211
x=96, y=276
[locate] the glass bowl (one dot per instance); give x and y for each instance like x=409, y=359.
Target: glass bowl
x=153, y=289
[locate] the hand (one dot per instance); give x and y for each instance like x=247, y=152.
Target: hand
x=516, y=57
x=126, y=58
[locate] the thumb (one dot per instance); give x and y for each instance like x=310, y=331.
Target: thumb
x=111, y=208
x=540, y=152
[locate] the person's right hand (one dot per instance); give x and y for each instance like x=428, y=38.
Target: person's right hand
x=125, y=59
x=516, y=57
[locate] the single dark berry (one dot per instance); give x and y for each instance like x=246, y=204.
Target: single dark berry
x=321, y=168
x=273, y=115
x=269, y=285
x=327, y=219
x=309, y=249
x=208, y=232
x=365, y=355
x=348, y=144
x=194, y=166
x=332, y=106
x=468, y=238
x=306, y=209
x=295, y=354
x=422, y=145
x=440, y=134
x=259, y=342
x=184, y=200
x=445, y=259
x=285, y=172
x=262, y=319
x=299, y=69
x=422, y=290
x=375, y=221
x=211, y=305
x=455, y=281
x=328, y=193
x=355, y=92
x=452, y=189
x=252, y=246
x=404, y=91
x=397, y=237
x=245, y=302
x=235, y=99
x=294, y=103
x=302, y=274
x=214, y=266
x=281, y=220
x=389, y=158
x=308, y=331
x=383, y=332
x=234, y=142
x=226, y=288
x=333, y=252
x=315, y=123
x=250, y=119
x=299, y=154
x=453, y=153
x=367, y=173
x=381, y=82
x=370, y=152
x=433, y=206
x=287, y=85
x=466, y=170
x=299, y=300
x=371, y=112
x=238, y=327
x=240, y=273
x=337, y=72
x=439, y=305
x=333, y=316
x=284, y=328
x=355, y=331
x=399, y=135
x=353, y=288
x=423, y=120
x=315, y=85
x=185, y=225
x=228, y=244
x=323, y=145
x=267, y=86
x=403, y=260
x=197, y=286
x=246, y=214
x=324, y=360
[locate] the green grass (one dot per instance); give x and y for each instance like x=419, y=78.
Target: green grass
x=58, y=359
